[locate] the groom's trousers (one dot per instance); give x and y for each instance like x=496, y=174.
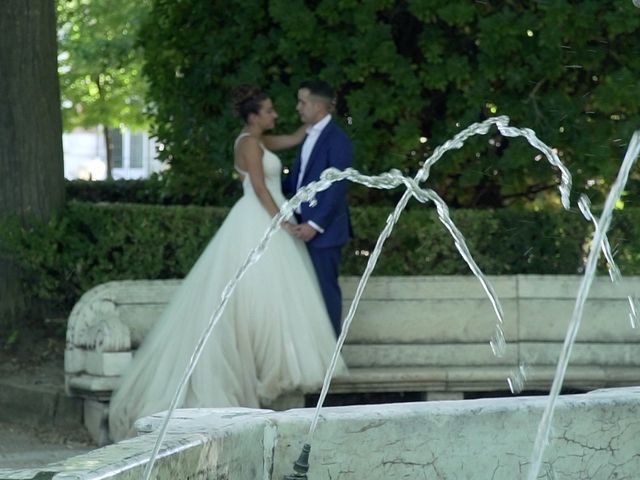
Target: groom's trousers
x=326, y=262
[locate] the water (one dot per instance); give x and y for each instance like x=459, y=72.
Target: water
x=518, y=379
x=388, y=180
x=598, y=242
x=585, y=208
x=614, y=271
x=497, y=343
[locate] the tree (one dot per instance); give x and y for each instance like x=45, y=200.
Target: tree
x=407, y=71
x=31, y=165
x=100, y=65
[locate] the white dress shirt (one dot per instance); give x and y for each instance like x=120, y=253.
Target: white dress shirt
x=313, y=133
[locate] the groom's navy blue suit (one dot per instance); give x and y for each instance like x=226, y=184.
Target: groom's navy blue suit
x=332, y=149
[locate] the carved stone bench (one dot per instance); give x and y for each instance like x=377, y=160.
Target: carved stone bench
x=410, y=334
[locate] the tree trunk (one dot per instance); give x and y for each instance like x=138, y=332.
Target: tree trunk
x=108, y=143
x=31, y=162
x=109, y=149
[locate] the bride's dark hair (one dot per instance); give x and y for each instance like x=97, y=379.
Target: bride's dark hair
x=247, y=99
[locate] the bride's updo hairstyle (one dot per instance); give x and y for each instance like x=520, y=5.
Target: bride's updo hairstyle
x=247, y=99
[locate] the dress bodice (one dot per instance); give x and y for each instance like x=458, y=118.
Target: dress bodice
x=272, y=168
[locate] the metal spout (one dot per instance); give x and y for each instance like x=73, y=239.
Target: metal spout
x=301, y=465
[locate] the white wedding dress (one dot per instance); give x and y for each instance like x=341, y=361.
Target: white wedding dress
x=273, y=337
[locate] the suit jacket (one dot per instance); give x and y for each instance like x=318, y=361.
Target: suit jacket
x=332, y=149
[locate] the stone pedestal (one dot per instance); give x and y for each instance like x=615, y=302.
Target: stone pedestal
x=96, y=421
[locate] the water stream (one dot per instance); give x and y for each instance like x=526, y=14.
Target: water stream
x=498, y=344
x=390, y=180
x=598, y=242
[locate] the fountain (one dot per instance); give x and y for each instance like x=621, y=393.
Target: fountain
x=412, y=440
x=389, y=180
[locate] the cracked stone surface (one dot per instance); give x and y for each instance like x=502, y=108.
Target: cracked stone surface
x=594, y=436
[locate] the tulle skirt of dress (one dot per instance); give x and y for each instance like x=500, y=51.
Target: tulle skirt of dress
x=274, y=335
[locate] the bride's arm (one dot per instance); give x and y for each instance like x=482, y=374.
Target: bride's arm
x=282, y=142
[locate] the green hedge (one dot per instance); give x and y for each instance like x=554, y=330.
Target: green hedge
x=129, y=191
x=89, y=244
x=153, y=190
x=156, y=190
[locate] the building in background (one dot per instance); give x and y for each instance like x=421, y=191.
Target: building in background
x=85, y=155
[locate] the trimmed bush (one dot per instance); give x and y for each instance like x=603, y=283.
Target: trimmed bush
x=152, y=191
x=500, y=241
x=129, y=191
x=89, y=244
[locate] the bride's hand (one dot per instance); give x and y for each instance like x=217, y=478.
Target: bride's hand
x=289, y=227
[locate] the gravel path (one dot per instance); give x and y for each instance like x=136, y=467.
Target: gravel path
x=34, y=430
x=22, y=446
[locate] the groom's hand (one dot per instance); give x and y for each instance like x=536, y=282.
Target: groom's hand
x=305, y=232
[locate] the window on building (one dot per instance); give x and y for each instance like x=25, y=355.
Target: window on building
x=137, y=145
x=116, y=142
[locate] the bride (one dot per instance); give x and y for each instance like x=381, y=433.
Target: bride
x=274, y=335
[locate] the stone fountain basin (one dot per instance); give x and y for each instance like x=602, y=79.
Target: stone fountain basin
x=594, y=435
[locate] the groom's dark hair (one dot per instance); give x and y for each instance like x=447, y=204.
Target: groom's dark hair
x=320, y=88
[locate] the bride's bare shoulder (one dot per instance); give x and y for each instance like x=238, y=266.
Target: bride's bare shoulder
x=247, y=143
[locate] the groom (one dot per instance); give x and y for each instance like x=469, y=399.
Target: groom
x=326, y=227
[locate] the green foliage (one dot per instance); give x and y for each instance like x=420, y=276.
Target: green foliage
x=502, y=242
x=154, y=190
x=150, y=191
x=405, y=70
x=115, y=191
x=89, y=244
x=12, y=339
x=100, y=64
